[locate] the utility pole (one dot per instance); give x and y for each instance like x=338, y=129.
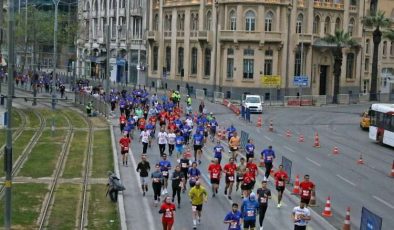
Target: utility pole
x=8, y=148
x=56, y=2
x=107, y=70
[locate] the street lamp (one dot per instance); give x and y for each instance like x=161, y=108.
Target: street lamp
x=56, y=3
x=289, y=9
x=215, y=45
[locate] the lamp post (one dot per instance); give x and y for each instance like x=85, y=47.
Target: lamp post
x=215, y=45
x=289, y=9
x=56, y=3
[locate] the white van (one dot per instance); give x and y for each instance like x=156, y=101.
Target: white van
x=254, y=103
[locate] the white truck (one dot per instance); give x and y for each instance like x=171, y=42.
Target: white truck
x=254, y=103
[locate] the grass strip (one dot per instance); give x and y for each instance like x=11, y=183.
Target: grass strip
x=43, y=158
x=76, y=118
x=102, y=212
x=26, y=205
x=64, y=211
x=76, y=155
x=16, y=119
x=57, y=116
x=102, y=154
x=32, y=119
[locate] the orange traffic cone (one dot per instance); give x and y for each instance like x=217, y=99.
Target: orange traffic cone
x=301, y=138
x=288, y=133
x=312, y=201
x=335, y=150
x=262, y=163
x=271, y=128
x=296, y=189
x=360, y=161
x=317, y=141
x=392, y=170
x=346, y=223
x=259, y=121
x=327, y=209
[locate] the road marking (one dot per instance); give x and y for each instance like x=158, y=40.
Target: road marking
x=346, y=180
x=267, y=138
x=279, y=134
x=290, y=149
x=314, y=162
x=384, y=202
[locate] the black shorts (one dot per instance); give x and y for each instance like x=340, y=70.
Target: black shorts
x=228, y=179
x=233, y=149
x=205, y=134
x=280, y=188
x=305, y=200
x=197, y=147
x=249, y=224
x=123, y=152
x=247, y=186
x=215, y=181
x=240, y=178
x=198, y=207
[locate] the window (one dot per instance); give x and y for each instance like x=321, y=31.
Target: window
x=180, y=60
x=233, y=21
x=230, y=63
x=392, y=49
x=297, y=63
x=250, y=21
x=269, y=53
x=248, y=68
x=366, y=69
x=155, y=58
x=338, y=24
x=349, y=65
x=114, y=4
x=230, y=51
x=113, y=27
x=194, y=22
x=384, y=48
x=316, y=25
x=327, y=25
x=194, y=61
x=351, y=27
x=207, y=65
x=367, y=46
x=268, y=21
x=299, y=23
x=96, y=6
x=168, y=59
x=181, y=22
x=167, y=22
x=122, y=4
x=209, y=21
x=156, y=23
x=365, y=86
x=268, y=67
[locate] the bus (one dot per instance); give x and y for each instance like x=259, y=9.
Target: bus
x=381, y=128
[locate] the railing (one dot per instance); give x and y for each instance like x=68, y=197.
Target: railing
x=328, y=5
x=168, y=34
x=353, y=8
x=180, y=33
x=193, y=33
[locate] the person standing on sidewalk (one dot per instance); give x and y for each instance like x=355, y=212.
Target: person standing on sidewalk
x=263, y=195
x=268, y=156
x=143, y=168
x=301, y=215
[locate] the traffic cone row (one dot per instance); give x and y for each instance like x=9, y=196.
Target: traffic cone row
x=301, y=138
x=346, y=223
x=271, y=127
x=259, y=121
x=327, y=209
x=335, y=150
x=296, y=188
x=392, y=170
x=288, y=133
x=316, y=144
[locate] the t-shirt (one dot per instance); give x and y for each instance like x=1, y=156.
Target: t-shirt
x=230, y=169
x=197, y=139
x=124, y=142
x=162, y=138
x=143, y=168
x=297, y=212
x=171, y=138
x=263, y=195
x=185, y=163
x=235, y=220
x=280, y=178
x=144, y=136
x=249, y=148
x=234, y=142
x=268, y=155
x=252, y=168
x=306, y=188
x=179, y=141
x=168, y=211
x=215, y=170
x=164, y=167
x=218, y=149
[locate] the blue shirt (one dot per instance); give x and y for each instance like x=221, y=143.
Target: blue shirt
x=235, y=218
x=165, y=165
x=249, y=209
x=179, y=141
x=213, y=124
x=150, y=126
x=249, y=148
x=197, y=139
x=268, y=155
x=131, y=122
x=218, y=151
x=193, y=172
x=186, y=130
x=200, y=130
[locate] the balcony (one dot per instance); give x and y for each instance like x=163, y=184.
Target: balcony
x=136, y=11
x=273, y=36
x=153, y=35
x=167, y=34
x=250, y=36
x=193, y=34
x=353, y=9
x=301, y=3
x=328, y=5
x=180, y=34
x=112, y=13
x=254, y=1
x=303, y=38
x=205, y=36
x=103, y=13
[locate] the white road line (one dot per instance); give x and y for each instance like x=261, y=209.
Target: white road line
x=346, y=180
x=290, y=149
x=384, y=202
x=267, y=138
x=279, y=134
x=314, y=162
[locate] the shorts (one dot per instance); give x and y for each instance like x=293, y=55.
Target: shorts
x=305, y=200
x=179, y=149
x=197, y=147
x=205, y=134
x=144, y=180
x=249, y=224
x=240, y=178
x=280, y=188
x=233, y=149
x=228, y=179
x=215, y=181
x=247, y=186
x=198, y=207
x=167, y=221
x=123, y=152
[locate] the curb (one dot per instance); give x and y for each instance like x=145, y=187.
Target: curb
x=121, y=208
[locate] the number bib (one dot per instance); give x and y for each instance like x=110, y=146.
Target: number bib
x=250, y=213
x=305, y=193
x=263, y=200
x=233, y=225
x=281, y=183
x=165, y=173
x=231, y=178
x=184, y=165
x=269, y=158
x=194, y=208
x=215, y=175
x=156, y=180
x=168, y=214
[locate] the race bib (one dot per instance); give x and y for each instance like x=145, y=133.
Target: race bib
x=281, y=183
x=240, y=178
x=197, y=142
x=168, y=214
x=214, y=175
x=156, y=180
x=184, y=165
x=122, y=122
x=179, y=142
x=126, y=148
x=233, y=225
x=305, y=192
x=250, y=213
x=231, y=178
x=263, y=200
x=194, y=208
x=269, y=158
x=165, y=173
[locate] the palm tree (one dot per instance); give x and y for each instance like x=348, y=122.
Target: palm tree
x=339, y=40
x=390, y=34
x=377, y=21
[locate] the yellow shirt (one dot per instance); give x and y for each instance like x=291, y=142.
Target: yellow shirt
x=197, y=195
x=234, y=142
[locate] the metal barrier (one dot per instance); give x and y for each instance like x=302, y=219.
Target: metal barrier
x=99, y=104
x=292, y=101
x=200, y=94
x=320, y=100
x=306, y=100
x=287, y=165
x=183, y=91
x=363, y=97
x=218, y=97
x=343, y=99
x=244, y=138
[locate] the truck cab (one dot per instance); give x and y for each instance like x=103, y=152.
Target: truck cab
x=254, y=103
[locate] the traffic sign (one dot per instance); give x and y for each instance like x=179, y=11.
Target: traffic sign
x=369, y=220
x=302, y=81
x=270, y=81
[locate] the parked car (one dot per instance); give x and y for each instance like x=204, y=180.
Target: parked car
x=254, y=103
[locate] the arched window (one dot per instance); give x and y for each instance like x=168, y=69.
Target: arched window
x=367, y=46
x=338, y=24
x=233, y=20
x=250, y=21
x=327, y=25
x=104, y=4
x=122, y=4
x=392, y=49
x=194, y=21
x=300, y=20
x=384, y=48
x=316, y=25
x=156, y=22
x=350, y=65
x=114, y=4
x=87, y=7
x=268, y=21
x=96, y=5
x=155, y=58
x=351, y=27
x=180, y=60
x=194, y=61
x=208, y=24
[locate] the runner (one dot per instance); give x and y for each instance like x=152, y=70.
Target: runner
x=240, y=173
x=233, y=218
x=306, y=187
x=144, y=138
x=186, y=131
x=198, y=142
x=230, y=132
x=301, y=215
x=248, y=183
x=122, y=121
x=213, y=124
x=198, y=195
x=124, y=147
x=131, y=124
x=281, y=178
x=263, y=195
x=157, y=180
x=177, y=184
x=234, y=145
x=268, y=155
x=249, y=149
x=218, y=151
x=143, y=168
x=151, y=128
x=165, y=167
x=249, y=210
x=185, y=165
x=162, y=138
x=168, y=211
x=229, y=170
x=171, y=141
x=193, y=174
x=215, y=170
x=179, y=141
x=252, y=168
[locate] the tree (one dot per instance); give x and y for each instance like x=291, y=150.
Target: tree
x=339, y=40
x=390, y=34
x=378, y=21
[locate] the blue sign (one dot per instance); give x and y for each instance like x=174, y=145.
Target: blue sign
x=244, y=138
x=301, y=81
x=370, y=221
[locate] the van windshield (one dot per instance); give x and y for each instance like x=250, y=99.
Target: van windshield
x=252, y=100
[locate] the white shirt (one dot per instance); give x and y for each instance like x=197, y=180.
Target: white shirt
x=189, y=122
x=171, y=138
x=162, y=138
x=297, y=211
x=144, y=136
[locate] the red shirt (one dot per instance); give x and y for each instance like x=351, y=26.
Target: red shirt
x=252, y=168
x=171, y=126
x=124, y=142
x=230, y=169
x=248, y=177
x=153, y=119
x=280, y=178
x=306, y=188
x=141, y=123
x=163, y=116
x=169, y=210
x=215, y=170
x=122, y=119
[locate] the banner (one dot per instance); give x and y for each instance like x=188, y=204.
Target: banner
x=270, y=81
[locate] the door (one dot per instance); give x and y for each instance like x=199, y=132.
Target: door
x=323, y=80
